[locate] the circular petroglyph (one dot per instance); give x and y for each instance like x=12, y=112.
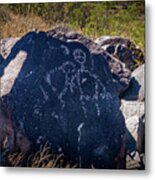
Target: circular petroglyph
x=79, y=56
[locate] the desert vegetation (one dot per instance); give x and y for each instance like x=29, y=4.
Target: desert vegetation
x=92, y=19
x=39, y=159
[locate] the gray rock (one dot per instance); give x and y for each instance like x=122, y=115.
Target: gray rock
x=68, y=35
x=133, y=112
x=6, y=46
x=139, y=76
x=113, y=40
x=132, y=108
x=120, y=74
x=133, y=105
x=135, y=143
x=62, y=92
x=123, y=49
x=136, y=88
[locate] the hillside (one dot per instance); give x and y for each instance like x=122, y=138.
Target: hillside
x=124, y=19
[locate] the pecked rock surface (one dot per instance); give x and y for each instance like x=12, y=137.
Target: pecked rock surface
x=64, y=93
x=120, y=74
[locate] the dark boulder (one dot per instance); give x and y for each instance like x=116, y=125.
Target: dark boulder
x=1, y=59
x=10, y=133
x=62, y=93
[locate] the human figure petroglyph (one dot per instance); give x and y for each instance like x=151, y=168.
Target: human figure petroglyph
x=76, y=77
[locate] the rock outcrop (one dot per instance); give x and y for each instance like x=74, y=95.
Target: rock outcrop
x=136, y=88
x=123, y=49
x=63, y=92
x=133, y=109
x=120, y=74
x=6, y=46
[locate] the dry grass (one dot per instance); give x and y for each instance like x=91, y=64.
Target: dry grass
x=40, y=159
x=43, y=158
x=18, y=25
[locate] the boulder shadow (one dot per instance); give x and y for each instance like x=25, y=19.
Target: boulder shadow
x=132, y=92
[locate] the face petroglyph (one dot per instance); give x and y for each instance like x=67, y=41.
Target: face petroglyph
x=79, y=56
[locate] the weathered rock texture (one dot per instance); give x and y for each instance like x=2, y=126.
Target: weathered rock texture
x=64, y=93
x=10, y=132
x=136, y=143
x=6, y=46
x=120, y=74
x=136, y=88
x=123, y=49
x=133, y=109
